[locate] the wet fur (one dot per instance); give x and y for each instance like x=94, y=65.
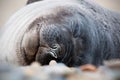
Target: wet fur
x=86, y=32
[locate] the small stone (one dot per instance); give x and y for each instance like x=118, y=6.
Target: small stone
x=52, y=62
x=88, y=67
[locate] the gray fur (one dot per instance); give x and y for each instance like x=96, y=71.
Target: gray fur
x=86, y=33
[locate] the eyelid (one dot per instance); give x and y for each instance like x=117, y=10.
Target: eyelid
x=54, y=46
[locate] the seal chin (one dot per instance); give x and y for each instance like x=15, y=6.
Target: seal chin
x=44, y=59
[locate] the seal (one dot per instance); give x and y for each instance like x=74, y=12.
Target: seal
x=74, y=32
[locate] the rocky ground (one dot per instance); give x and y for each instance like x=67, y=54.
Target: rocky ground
x=58, y=71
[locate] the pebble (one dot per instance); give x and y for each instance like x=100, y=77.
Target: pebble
x=59, y=71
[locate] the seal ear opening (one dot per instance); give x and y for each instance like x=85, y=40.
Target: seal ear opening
x=30, y=44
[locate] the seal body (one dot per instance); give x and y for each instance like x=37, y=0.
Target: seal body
x=74, y=32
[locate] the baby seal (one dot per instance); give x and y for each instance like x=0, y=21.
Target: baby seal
x=73, y=32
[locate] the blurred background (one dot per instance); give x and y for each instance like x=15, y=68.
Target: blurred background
x=8, y=7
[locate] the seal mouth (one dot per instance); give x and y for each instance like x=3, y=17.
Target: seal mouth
x=53, y=54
